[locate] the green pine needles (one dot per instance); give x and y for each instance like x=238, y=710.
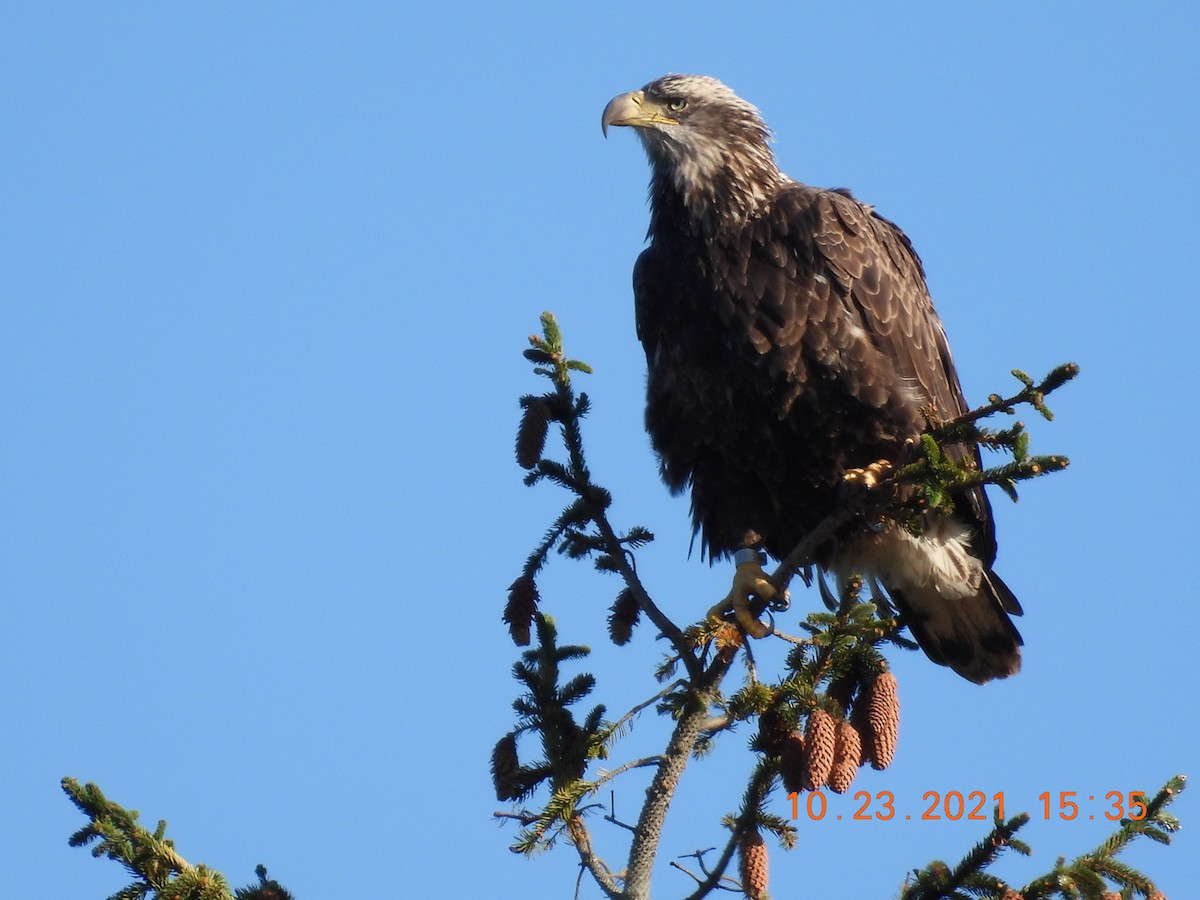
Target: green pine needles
x=159, y=872
x=832, y=708
x=1092, y=876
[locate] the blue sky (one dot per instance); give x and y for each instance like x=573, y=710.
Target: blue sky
x=267, y=272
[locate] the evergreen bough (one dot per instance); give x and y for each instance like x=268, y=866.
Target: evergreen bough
x=835, y=677
x=832, y=674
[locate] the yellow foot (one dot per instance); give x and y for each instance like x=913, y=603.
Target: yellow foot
x=749, y=580
x=869, y=477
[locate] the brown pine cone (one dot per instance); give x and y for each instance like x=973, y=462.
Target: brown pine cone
x=519, y=612
x=847, y=757
x=504, y=768
x=772, y=732
x=623, y=617
x=883, y=717
x=791, y=762
x=820, y=739
x=752, y=865
x=858, y=718
x=531, y=436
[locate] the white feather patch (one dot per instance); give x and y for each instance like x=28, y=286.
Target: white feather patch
x=939, y=561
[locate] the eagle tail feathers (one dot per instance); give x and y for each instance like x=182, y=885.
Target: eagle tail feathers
x=956, y=607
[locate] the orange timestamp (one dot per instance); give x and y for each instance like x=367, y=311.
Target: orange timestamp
x=975, y=806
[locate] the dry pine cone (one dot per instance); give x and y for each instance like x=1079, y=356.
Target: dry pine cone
x=522, y=604
x=504, y=768
x=531, y=437
x=883, y=719
x=772, y=731
x=623, y=617
x=752, y=865
x=847, y=757
x=820, y=738
x=791, y=762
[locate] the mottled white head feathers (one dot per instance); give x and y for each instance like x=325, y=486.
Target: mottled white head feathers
x=704, y=142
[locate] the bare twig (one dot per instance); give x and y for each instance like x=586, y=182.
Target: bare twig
x=525, y=818
x=582, y=839
x=673, y=686
x=804, y=553
x=760, y=783
x=724, y=884
x=622, y=769
x=717, y=723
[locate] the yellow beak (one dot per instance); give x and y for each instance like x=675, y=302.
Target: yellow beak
x=634, y=109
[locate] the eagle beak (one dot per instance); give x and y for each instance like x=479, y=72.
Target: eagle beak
x=626, y=109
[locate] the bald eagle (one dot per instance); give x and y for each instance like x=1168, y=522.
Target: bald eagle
x=790, y=339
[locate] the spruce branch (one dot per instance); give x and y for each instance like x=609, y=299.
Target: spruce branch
x=150, y=857
x=937, y=881
x=1033, y=394
x=803, y=555
x=581, y=839
x=566, y=745
x=605, y=777
x=836, y=684
x=266, y=889
x=583, y=528
x=158, y=870
x=757, y=790
x=725, y=883
x=621, y=726
x=688, y=730
x=1088, y=874
x=925, y=476
x=666, y=626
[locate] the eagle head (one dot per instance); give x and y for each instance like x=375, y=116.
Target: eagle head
x=704, y=142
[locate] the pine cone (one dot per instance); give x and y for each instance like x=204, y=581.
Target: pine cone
x=522, y=604
x=504, y=768
x=791, y=762
x=772, y=732
x=531, y=436
x=752, y=865
x=847, y=757
x=820, y=739
x=883, y=718
x=624, y=616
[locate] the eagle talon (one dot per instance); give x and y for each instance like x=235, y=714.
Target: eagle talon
x=869, y=477
x=749, y=580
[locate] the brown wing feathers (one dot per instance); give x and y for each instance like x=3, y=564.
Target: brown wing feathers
x=789, y=336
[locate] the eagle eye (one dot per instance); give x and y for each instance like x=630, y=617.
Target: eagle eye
x=676, y=104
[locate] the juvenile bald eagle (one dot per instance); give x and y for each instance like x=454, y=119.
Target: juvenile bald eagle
x=790, y=339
